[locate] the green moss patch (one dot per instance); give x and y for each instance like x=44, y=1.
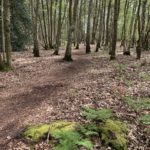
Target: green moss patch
x=113, y=133
x=37, y=132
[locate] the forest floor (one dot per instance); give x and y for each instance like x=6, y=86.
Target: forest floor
x=46, y=89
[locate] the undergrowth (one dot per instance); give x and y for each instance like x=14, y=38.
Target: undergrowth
x=72, y=136
x=137, y=103
x=97, y=115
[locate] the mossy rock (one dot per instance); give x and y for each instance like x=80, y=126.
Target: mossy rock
x=37, y=132
x=113, y=133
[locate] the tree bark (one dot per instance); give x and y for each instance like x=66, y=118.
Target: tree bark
x=7, y=32
x=88, y=36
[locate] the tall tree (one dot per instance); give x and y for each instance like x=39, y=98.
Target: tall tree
x=7, y=32
x=58, y=29
x=115, y=26
x=35, y=13
x=88, y=34
x=72, y=23
x=139, y=42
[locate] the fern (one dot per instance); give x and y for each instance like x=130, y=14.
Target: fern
x=67, y=140
x=88, y=130
x=70, y=140
x=97, y=115
x=86, y=143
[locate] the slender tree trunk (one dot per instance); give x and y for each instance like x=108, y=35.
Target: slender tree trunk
x=7, y=32
x=131, y=27
x=98, y=45
x=94, y=23
x=44, y=25
x=139, y=42
x=35, y=13
x=72, y=23
x=56, y=52
x=79, y=25
x=3, y=32
x=115, y=26
x=51, y=23
x=107, y=22
x=88, y=36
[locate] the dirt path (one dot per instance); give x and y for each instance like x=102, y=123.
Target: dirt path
x=46, y=89
x=35, y=87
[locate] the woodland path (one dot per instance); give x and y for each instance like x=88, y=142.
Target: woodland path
x=46, y=89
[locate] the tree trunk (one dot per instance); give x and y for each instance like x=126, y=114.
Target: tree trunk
x=115, y=26
x=72, y=23
x=56, y=52
x=88, y=36
x=139, y=42
x=7, y=32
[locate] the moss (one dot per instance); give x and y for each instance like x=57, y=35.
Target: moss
x=62, y=126
x=36, y=132
x=113, y=133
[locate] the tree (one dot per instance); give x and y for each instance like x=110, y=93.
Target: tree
x=139, y=42
x=72, y=23
x=88, y=34
x=21, y=25
x=115, y=26
x=35, y=13
x=58, y=29
x=7, y=32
